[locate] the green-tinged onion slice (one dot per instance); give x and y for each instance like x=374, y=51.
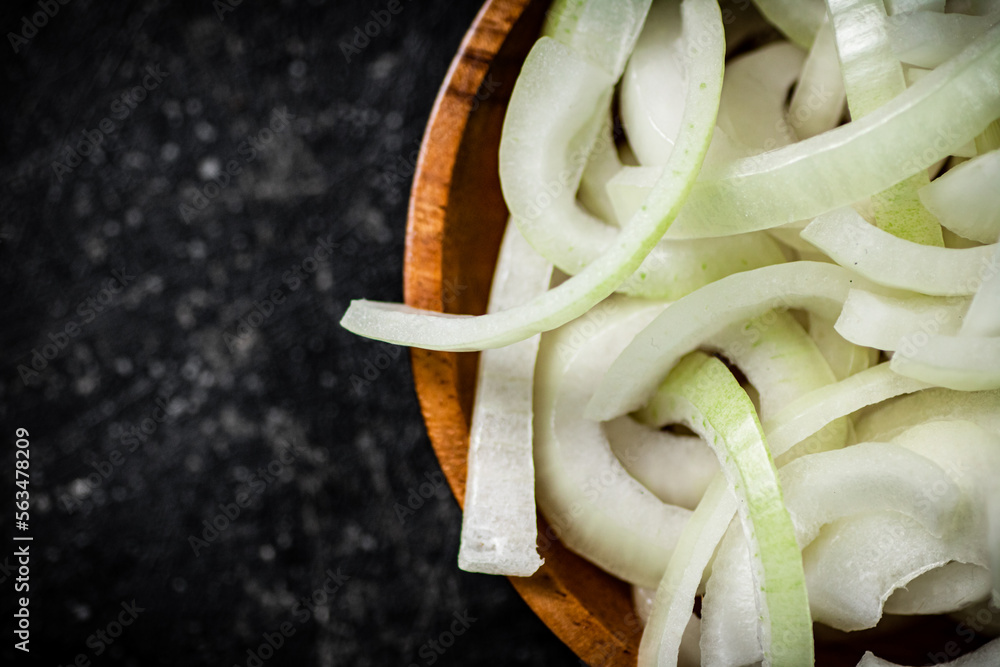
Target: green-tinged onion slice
x=872, y=77
x=818, y=490
x=703, y=394
x=893, y=262
x=603, y=33
x=705, y=48
x=925, y=123
x=697, y=317
x=799, y=20
x=499, y=520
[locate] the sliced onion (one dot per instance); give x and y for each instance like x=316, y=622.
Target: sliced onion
x=808, y=414
x=818, y=101
x=893, y=322
x=754, y=92
x=799, y=20
x=855, y=564
x=922, y=125
x=872, y=77
x=987, y=655
x=888, y=421
x=818, y=490
x=927, y=39
x=499, y=525
x=893, y=262
x=652, y=102
x=634, y=376
x=701, y=393
x=844, y=357
x=964, y=363
x=675, y=594
x=595, y=507
x=396, y=323
x=962, y=198
x=676, y=468
x=603, y=33
x=602, y=165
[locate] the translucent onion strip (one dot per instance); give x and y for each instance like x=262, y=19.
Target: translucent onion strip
x=963, y=363
x=799, y=20
x=927, y=39
x=712, y=403
x=894, y=262
x=808, y=414
x=818, y=490
x=888, y=421
x=872, y=77
x=675, y=594
x=963, y=198
x=941, y=112
x=818, y=101
x=499, y=524
x=651, y=90
x=595, y=507
x=634, y=376
x=396, y=323
x=893, y=322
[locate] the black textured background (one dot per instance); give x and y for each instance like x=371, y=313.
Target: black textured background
x=112, y=516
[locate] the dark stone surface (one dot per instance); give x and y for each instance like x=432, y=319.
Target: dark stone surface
x=214, y=325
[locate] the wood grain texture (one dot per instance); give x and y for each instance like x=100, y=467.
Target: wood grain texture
x=456, y=220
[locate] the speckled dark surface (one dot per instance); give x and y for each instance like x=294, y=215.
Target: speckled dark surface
x=114, y=508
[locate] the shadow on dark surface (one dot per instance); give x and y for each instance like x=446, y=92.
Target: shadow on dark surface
x=191, y=194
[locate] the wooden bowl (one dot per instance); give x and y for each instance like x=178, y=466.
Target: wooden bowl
x=455, y=222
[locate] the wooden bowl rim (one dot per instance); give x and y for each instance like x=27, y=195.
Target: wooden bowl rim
x=596, y=640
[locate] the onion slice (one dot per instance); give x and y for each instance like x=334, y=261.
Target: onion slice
x=499, y=528
x=894, y=262
x=687, y=323
x=396, y=323
x=707, y=398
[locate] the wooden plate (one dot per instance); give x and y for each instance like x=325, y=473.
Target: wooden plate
x=455, y=221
